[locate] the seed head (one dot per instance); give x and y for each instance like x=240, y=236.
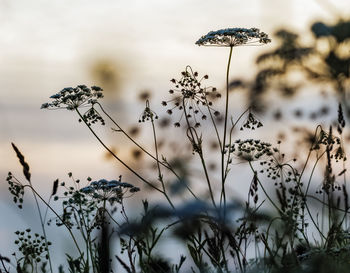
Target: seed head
x=71, y=98
x=231, y=37
x=112, y=191
x=191, y=97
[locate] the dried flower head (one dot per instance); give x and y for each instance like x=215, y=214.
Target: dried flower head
x=190, y=95
x=148, y=114
x=251, y=122
x=16, y=188
x=112, y=191
x=252, y=150
x=92, y=116
x=231, y=37
x=71, y=98
x=32, y=246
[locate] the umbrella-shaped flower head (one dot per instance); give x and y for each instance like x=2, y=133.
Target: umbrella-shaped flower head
x=231, y=37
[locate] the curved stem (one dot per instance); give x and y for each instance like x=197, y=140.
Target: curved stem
x=309, y=154
x=262, y=187
x=116, y=157
x=133, y=141
x=164, y=164
x=42, y=225
x=200, y=153
x=59, y=217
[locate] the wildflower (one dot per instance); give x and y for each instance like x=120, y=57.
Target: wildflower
x=112, y=191
x=190, y=96
x=71, y=98
x=148, y=114
x=231, y=37
x=32, y=247
x=252, y=150
x=326, y=139
x=251, y=122
x=91, y=116
x=16, y=189
x=277, y=169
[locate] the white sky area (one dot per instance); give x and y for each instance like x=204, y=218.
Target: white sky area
x=48, y=45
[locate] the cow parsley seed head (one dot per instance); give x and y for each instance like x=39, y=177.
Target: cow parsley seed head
x=72, y=98
x=92, y=116
x=231, y=37
x=191, y=97
x=251, y=122
x=111, y=191
x=252, y=150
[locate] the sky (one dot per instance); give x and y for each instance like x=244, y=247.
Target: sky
x=138, y=45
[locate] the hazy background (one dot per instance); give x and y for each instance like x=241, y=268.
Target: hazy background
x=124, y=46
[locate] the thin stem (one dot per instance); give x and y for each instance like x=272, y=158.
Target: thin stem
x=133, y=141
x=42, y=225
x=229, y=152
x=305, y=195
x=59, y=217
x=164, y=164
x=230, y=139
x=116, y=157
x=160, y=176
x=200, y=153
x=262, y=187
x=87, y=238
x=214, y=124
x=3, y=265
x=223, y=177
x=208, y=254
x=309, y=154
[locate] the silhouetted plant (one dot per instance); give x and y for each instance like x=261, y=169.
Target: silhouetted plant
x=276, y=229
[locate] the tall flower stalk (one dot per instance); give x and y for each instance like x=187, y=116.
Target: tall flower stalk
x=82, y=96
x=230, y=37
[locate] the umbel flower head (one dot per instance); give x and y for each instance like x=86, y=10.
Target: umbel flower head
x=71, y=98
x=231, y=37
x=190, y=95
x=112, y=191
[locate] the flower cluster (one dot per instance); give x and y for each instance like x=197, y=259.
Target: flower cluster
x=91, y=116
x=251, y=122
x=112, y=191
x=231, y=37
x=333, y=145
x=16, y=189
x=328, y=188
x=71, y=98
x=276, y=169
x=190, y=96
x=252, y=150
x=148, y=114
x=32, y=246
